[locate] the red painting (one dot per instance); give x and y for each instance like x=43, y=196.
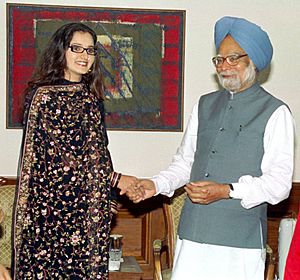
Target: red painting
x=142, y=56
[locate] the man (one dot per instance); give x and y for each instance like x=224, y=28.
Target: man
x=235, y=157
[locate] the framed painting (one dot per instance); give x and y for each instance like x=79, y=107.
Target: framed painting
x=142, y=59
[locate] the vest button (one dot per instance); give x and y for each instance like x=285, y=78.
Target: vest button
x=230, y=107
x=213, y=151
x=221, y=128
x=206, y=174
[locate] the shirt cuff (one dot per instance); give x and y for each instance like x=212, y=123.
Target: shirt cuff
x=162, y=187
x=238, y=191
x=234, y=193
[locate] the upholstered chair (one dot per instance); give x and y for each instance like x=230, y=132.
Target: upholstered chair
x=7, y=196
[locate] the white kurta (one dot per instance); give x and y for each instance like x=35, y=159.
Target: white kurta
x=208, y=262
x=195, y=261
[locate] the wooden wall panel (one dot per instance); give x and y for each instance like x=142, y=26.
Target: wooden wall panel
x=140, y=224
x=132, y=229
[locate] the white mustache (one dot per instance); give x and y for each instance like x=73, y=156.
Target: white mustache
x=225, y=73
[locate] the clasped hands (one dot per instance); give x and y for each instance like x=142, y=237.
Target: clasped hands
x=202, y=192
x=205, y=192
x=136, y=189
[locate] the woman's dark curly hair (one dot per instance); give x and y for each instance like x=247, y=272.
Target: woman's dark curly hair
x=53, y=61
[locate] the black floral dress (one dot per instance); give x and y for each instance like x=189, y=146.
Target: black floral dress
x=62, y=216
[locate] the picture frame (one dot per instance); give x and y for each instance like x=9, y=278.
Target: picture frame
x=142, y=54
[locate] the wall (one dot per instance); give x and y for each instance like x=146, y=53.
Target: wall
x=145, y=153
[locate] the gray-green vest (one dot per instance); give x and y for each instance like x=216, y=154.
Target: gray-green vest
x=229, y=145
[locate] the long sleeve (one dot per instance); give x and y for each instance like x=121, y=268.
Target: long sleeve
x=275, y=183
x=178, y=172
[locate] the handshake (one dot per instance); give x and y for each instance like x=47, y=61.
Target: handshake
x=136, y=189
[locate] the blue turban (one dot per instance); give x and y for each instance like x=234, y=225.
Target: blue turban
x=251, y=38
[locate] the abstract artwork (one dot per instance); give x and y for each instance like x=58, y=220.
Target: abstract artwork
x=142, y=60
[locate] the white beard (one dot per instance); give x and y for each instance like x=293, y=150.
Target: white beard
x=235, y=83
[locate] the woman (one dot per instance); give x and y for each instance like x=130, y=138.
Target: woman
x=63, y=216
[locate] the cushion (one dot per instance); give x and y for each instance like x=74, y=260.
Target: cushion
x=166, y=274
x=7, y=196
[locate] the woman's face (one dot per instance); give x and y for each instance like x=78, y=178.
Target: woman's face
x=79, y=63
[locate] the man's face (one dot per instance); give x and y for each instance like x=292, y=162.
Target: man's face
x=235, y=77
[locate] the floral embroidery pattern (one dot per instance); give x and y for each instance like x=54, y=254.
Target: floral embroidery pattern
x=62, y=219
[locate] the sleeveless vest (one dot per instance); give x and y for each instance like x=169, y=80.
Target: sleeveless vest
x=229, y=145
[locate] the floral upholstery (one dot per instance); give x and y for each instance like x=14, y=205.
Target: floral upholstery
x=7, y=195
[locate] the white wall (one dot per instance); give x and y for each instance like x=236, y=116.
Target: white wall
x=145, y=153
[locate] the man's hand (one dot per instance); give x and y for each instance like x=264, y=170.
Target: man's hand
x=205, y=192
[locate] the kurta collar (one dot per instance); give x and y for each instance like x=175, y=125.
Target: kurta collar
x=249, y=92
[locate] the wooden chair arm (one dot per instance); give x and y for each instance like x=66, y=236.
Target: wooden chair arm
x=270, y=271
x=157, y=246
x=3, y=181
x=270, y=264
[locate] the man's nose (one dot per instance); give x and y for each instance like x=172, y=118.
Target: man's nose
x=225, y=66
